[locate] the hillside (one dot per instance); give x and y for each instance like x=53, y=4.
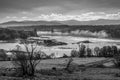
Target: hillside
x=28, y=23
x=93, y=22
x=68, y=22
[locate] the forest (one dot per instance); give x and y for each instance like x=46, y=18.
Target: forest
x=9, y=34
x=112, y=30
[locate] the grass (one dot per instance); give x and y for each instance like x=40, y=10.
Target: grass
x=59, y=63
x=53, y=69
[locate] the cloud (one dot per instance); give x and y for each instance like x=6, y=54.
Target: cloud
x=13, y=6
x=61, y=17
x=81, y=10
x=82, y=17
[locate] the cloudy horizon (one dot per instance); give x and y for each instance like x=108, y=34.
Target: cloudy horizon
x=49, y=10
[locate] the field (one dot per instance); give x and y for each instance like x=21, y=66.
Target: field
x=45, y=67
x=90, y=73
x=59, y=39
x=49, y=63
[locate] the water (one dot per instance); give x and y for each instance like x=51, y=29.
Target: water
x=66, y=49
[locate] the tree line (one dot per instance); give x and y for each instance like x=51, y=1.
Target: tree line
x=9, y=34
x=105, y=51
x=112, y=30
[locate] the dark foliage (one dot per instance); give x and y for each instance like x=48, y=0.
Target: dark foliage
x=9, y=34
x=112, y=30
x=26, y=62
x=105, y=51
x=3, y=55
x=65, y=56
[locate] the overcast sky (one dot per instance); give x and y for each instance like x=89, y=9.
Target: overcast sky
x=82, y=10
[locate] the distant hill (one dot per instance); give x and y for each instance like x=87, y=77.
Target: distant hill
x=111, y=27
x=69, y=22
x=93, y=22
x=29, y=23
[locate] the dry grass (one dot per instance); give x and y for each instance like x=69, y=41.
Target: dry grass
x=45, y=71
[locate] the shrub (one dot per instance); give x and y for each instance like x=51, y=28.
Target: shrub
x=70, y=60
x=82, y=50
x=65, y=56
x=117, y=60
x=74, y=53
x=26, y=61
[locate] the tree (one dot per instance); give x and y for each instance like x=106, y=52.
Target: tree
x=97, y=51
x=23, y=35
x=114, y=50
x=65, y=56
x=35, y=32
x=74, y=53
x=52, y=55
x=89, y=52
x=52, y=30
x=3, y=55
x=117, y=58
x=82, y=50
x=25, y=60
x=104, y=52
x=70, y=60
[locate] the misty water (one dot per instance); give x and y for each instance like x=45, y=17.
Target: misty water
x=66, y=49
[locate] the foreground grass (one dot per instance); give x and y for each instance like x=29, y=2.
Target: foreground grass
x=45, y=71
x=49, y=63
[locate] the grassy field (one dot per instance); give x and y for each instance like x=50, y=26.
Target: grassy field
x=49, y=63
x=90, y=73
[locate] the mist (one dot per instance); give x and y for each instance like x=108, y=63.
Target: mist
x=87, y=33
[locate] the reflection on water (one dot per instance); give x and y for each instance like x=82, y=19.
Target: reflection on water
x=66, y=49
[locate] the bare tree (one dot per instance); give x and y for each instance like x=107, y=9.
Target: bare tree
x=70, y=60
x=27, y=60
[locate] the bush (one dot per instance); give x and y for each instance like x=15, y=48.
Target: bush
x=74, y=53
x=82, y=50
x=9, y=34
x=117, y=61
x=26, y=61
x=65, y=56
x=70, y=60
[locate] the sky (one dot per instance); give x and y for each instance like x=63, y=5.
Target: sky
x=51, y=10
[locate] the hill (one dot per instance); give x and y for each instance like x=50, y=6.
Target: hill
x=28, y=23
x=68, y=22
x=93, y=22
